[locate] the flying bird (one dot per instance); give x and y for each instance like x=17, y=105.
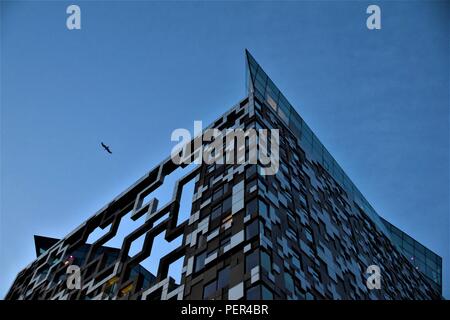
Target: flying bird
x=106, y=148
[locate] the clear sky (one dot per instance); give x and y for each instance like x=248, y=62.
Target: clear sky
x=378, y=100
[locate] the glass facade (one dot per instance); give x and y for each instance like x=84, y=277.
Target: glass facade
x=259, y=83
x=423, y=259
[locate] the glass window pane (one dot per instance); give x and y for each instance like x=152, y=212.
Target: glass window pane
x=218, y=193
x=200, y=261
x=266, y=261
x=223, y=278
x=216, y=212
x=408, y=247
x=251, y=207
x=408, y=239
x=289, y=282
x=266, y=293
x=226, y=204
x=262, y=208
x=251, y=261
x=251, y=230
x=209, y=290
x=253, y=293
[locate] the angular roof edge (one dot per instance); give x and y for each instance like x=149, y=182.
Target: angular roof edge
x=260, y=84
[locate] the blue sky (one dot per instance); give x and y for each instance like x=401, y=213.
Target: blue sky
x=378, y=100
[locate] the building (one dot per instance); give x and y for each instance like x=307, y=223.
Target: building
x=107, y=255
x=305, y=232
x=422, y=258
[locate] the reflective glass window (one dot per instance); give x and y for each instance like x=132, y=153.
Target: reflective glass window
x=209, y=290
x=223, y=279
x=267, y=294
x=251, y=261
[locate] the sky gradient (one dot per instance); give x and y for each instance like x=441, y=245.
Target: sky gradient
x=378, y=100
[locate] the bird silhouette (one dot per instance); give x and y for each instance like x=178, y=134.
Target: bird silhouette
x=106, y=148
